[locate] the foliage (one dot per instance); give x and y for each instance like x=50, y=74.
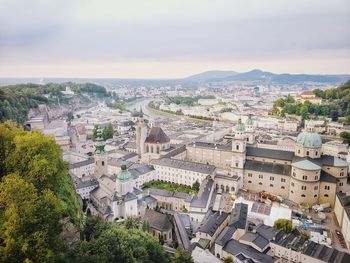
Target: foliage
x=108, y=132
x=196, y=186
x=30, y=222
x=283, y=224
x=181, y=256
x=229, y=109
x=119, y=105
x=228, y=259
x=17, y=100
x=37, y=159
x=132, y=223
x=168, y=186
x=345, y=136
x=190, y=101
x=115, y=243
x=336, y=103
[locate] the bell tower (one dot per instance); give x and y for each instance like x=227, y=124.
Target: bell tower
x=100, y=155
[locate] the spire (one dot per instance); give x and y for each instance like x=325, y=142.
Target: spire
x=100, y=143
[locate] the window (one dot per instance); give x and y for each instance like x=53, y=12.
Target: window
x=304, y=177
x=260, y=183
x=236, y=164
x=291, y=191
x=261, y=176
x=292, y=184
x=237, y=147
x=316, y=187
x=316, y=177
x=340, y=183
x=282, y=187
x=271, y=185
x=249, y=182
x=250, y=174
x=272, y=178
x=326, y=187
x=294, y=174
x=315, y=196
x=316, y=153
x=342, y=174
x=303, y=187
x=283, y=180
x=307, y=153
x=326, y=195
x=298, y=151
x=103, y=163
x=302, y=195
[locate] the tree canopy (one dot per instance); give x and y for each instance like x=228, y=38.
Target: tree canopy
x=283, y=224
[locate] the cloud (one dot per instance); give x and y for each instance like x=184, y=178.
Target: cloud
x=100, y=32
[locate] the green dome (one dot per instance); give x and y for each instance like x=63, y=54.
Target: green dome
x=124, y=174
x=240, y=126
x=309, y=140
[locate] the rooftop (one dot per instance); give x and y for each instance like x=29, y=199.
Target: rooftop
x=190, y=166
x=157, y=220
x=268, y=153
x=157, y=135
x=274, y=168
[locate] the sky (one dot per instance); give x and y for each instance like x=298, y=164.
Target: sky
x=172, y=39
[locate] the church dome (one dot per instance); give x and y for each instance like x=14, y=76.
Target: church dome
x=309, y=140
x=124, y=174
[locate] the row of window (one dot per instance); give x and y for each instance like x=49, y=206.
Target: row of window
x=283, y=180
x=271, y=185
x=303, y=195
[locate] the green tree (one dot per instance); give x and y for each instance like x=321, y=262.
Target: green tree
x=132, y=222
x=94, y=132
x=182, y=256
x=108, y=132
x=345, y=136
x=228, y=259
x=283, y=224
x=196, y=186
x=30, y=222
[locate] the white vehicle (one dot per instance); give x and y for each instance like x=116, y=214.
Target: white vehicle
x=321, y=207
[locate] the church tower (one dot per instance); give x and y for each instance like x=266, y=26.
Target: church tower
x=100, y=155
x=238, y=149
x=141, y=134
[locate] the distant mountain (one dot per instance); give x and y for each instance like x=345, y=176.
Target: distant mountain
x=210, y=75
x=259, y=75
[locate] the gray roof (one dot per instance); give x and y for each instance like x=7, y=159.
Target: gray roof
x=165, y=193
x=202, y=200
x=326, y=177
x=256, y=239
x=333, y=161
x=190, y=166
x=212, y=145
x=82, y=184
x=274, y=168
x=238, y=217
x=148, y=199
x=129, y=196
x=157, y=220
x=306, y=164
x=140, y=170
x=182, y=231
x=267, y=232
x=235, y=248
x=157, y=135
x=212, y=221
x=268, y=153
x=82, y=163
x=175, y=151
x=226, y=235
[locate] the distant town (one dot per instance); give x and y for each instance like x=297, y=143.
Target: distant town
x=247, y=171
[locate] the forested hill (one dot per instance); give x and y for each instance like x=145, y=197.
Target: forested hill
x=336, y=104
x=16, y=100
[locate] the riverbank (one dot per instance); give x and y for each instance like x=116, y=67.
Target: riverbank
x=174, y=116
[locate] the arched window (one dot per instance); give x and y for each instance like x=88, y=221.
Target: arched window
x=232, y=189
x=227, y=188
x=158, y=149
x=326, y=195
x=302, y=195
x=260, y=183
x=249, y=182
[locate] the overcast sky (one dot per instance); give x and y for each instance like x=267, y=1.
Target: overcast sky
x=166, y=39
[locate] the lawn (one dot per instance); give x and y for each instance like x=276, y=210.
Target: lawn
x=169, y=187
